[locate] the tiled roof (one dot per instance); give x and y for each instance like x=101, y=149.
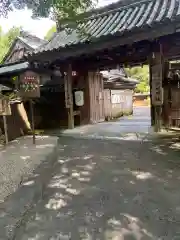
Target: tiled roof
x=117, y=20
x=13, y=68
x=31, y=40
x=115, y=75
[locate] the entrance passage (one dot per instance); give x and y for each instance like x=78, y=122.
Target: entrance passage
x=127, y=127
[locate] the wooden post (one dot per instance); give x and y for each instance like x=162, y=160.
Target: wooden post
x=151, y=102
x=69, y=96
x=5, y=129
x=166, y=106
x=157, y=68
x=32, y=121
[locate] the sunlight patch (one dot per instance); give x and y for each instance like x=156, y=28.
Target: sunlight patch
x=132, y=182
x=131, y=218
x=158, y=150
x=84, y=179
x=25, y=157
x=142, y=175
x=85, y=173
x=57, y=184
x=44, y=146
x=75, y=174
x=38, y=236
x=175, y=146
x=73, y=191
x=88, y=157
x=64, y=170
x=147, y=233
x=28, y=183
x=55, y=204
x=65, y=160
x=114, y=222
x=89, y=167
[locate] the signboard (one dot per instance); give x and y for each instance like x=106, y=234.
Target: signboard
x=117, y=98
x=29, y=85
x=5, y=107
x=68, y=92
x=79, y=98
x=157, y=90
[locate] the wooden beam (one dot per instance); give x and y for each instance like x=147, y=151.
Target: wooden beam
x=69, y=96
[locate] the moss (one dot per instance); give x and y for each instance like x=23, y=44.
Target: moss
x=118, y=115
x=121, y=114
x=127, y=113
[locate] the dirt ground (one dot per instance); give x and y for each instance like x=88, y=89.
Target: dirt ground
x=107, y=189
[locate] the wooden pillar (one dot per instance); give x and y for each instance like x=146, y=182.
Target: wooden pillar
x=151, y=102
x=157, y=68
x=69, y=96
x=166, y=105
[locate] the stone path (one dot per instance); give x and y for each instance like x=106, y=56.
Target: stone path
x=102, y=190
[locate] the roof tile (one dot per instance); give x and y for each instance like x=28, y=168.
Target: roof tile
x=137, y=15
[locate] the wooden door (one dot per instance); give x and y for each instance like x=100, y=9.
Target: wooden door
x=96, y=88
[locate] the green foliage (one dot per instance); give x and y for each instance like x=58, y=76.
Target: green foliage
x=59, y=9
x=141, y=74
x=50, y=33
x=6, y=39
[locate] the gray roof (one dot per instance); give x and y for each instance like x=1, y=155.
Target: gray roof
x=28, y=40
x=121, y=18
x=31, y=40
x=118, y=75
x=12, y=68
x=4, y=88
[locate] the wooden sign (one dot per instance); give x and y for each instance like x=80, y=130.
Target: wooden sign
x=5, y=107
x=157, y=90
x=29, y=85
x=79, y=98
x=68, y=92
x=157, y=78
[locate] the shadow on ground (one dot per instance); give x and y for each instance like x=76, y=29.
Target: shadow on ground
x=102, y=190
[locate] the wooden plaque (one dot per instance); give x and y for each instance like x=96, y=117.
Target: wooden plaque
x=157, y=78
x=157, y=90
x=29, y=85
x=68, y=92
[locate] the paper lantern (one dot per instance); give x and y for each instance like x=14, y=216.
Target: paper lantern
x=79, y=98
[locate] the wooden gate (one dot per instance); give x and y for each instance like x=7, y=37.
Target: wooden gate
x=96, y=88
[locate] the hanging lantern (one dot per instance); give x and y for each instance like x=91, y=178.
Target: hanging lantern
x=79, y=98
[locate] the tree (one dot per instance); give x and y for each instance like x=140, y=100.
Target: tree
x=58, y=9
x=50, y=33
x=6, y=39
x=141, y=74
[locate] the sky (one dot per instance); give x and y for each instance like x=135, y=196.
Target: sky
x=37, y=27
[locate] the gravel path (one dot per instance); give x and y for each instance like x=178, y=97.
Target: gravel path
x=102, y=190
x=18, y=160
